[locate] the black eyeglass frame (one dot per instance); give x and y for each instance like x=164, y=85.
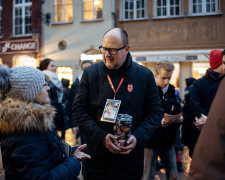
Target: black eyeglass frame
x=109, y=49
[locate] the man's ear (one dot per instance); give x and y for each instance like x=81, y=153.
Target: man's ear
x=127, y=47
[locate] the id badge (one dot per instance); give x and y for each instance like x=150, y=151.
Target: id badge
x=111, y=110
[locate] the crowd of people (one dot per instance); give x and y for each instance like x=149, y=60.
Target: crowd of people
x=35, y=104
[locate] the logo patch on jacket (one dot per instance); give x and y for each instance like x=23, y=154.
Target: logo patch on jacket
x=130, y=87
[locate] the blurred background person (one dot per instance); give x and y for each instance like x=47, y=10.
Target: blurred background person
x=187, y=126
x=84, y=65
x=203, y=92
x=48, y=66
x=163, y=140
x=65, y=103
x=208, y=158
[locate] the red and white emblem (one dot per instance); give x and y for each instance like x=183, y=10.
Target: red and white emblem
x=130, y=87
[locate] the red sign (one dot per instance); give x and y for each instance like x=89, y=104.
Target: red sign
x=18, y=46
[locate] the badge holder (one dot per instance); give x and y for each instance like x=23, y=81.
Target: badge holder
x=111, y=110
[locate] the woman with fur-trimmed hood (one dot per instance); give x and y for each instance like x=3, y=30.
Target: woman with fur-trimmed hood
x=30, y=146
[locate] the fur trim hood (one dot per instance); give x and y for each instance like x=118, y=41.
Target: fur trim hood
x=18, y=116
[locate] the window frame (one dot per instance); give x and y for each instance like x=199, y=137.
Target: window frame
x=64, y=12
x=93, y=12
x=23, y=6
x=135, y=9
x=203, y=13
x=168, y=6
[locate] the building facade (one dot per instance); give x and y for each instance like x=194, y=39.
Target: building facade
x=75, y=32
x=180, y=31
x=19, y=19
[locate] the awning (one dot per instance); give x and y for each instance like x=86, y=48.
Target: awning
x=173, y=56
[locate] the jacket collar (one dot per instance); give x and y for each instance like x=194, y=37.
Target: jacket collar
x=18, y=116
x=214, y=75
x=123, y=70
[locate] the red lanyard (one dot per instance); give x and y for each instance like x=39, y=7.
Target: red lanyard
x=111, y=84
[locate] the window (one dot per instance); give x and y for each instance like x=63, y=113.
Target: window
x=63, y=11
x=0, y=18
x=134, y=9
x=168, y=8
x=22, y=17
x=92, y=9
x=199, y=7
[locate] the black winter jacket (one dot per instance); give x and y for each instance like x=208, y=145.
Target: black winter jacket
x=31, y=148
x=142, y=103
x=165, y=137
x=201, y=95
x=59, y=119
x=204, y=91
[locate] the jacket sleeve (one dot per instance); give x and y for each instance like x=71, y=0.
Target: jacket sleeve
x=196, y=99
x=153, y=112
x=94, y=134
x=33, y=160
x=71, y=97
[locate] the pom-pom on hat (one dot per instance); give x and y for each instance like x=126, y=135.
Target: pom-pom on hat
x=24, y=83
x=215, y=58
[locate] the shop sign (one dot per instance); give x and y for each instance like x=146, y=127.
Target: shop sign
x=92, y=57
x=18, y=46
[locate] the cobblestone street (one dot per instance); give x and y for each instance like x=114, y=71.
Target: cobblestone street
x=70, y=138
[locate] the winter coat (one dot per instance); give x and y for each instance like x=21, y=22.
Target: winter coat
x=59, y=120
x=202, y=94
x=71, y=97
x=142, y=103
x=31, y=148
x=188, y=116
x=165, y=137
x=208, y=160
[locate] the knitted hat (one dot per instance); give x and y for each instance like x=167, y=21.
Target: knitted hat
x=25, y=83
x=215, y=58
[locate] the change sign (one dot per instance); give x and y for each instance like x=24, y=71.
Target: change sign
x=18, y=46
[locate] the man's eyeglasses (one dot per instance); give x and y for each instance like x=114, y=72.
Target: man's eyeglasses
x=112, y=51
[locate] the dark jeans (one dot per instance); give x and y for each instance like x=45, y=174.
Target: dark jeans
x=168, y=157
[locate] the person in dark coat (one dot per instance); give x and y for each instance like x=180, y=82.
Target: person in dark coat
x=203, y=92
x=30, y=146
x=208, y=160
x=162, y=142
x=137, y=91
x=66, y=106
x=84, y=65
x=48, y=67
x=188, y=118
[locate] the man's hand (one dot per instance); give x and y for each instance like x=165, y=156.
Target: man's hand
x=199, y=126
x=109, y=144
x=200, y=122
x=180, y=120
x=166, y=122
x=132, y=142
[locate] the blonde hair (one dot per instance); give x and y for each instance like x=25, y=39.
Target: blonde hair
x=166, y=65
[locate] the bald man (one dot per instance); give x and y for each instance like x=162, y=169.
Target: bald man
x=131, y=87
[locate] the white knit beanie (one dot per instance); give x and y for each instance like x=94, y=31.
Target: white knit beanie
x=25, y=83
